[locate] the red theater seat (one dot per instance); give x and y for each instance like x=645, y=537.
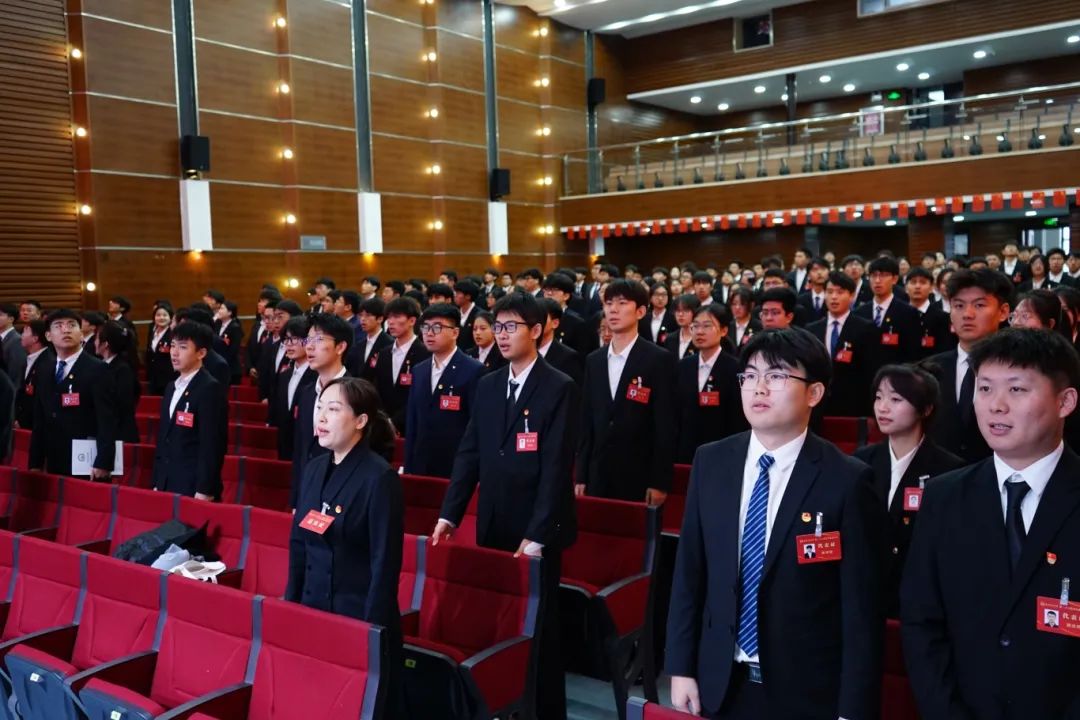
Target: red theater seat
x=141, y=471
x=8, y=477
x=244, y=393
x=476, y=627
x=411, y=582
x=148, y=428
x=139, y=510
x=48, y=586
x=267, y=569
x=8, y=542
x=265, y=483
x=423, y=499
x=675, y=505
x=149, y=405
x=232, y=474
x=253, y=440
x=20, y=449
x=226, y=533
x=37, y=501
x=849, y=433
x=638, y=709
x=608, y=573
x=86, y=514
x=247, y=412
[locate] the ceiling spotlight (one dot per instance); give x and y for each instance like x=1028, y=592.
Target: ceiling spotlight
x=281, y=21
x=924, y=76
x=784, y=97
x=91, y=286
x=283, y=88
x=76, y=53
x=1072, y=39
x=890, y=223
x=825, y=79
x=856, y=215
x=293, y=283
x=290, y=219
x=723, y=107
x=287, y=153
x=80, y=131
x=903, y=67
x=958, y=218
x=850, y=87
x=695, y=99
x=85, y=209
x=759, y=89
x=1031, y=213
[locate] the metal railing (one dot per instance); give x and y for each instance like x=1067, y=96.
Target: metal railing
x=1025, y=120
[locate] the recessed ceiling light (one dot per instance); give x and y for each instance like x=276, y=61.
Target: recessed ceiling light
x=903, y=67
x=759, y=89
x=958, y=218
x=723, y=107
x=1050, y=101
x=1031, y=213
x=924, y=76
x=825, y=78
x=890, y=223
x=695, y=99
x=850, y=87
x=784, y=97
x=856, y=215
x=1073, y=39
x=560, y=3
x=979, y=54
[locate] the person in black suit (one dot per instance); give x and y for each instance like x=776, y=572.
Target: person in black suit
x=91, y=323
x=112, y=343
x=214, y=362
x=229, y=331
x=743, y=323
x=391, y=369
x=979, y=301
x=272, y=360
x=848, y=339
x=443, y=397
x=755, y=630
x=1056, y=270
x=561, y=357
x=776, y=308
x=904, y=463
x=156, y=358
x=485, y=350
x=628, y=431
x=707, y=389
x=659, y=321
x=74, y=400
x=190, y=444
x=371, y=338
x=119, y=306
x=595, y=297
x=812, y=298
x=799, y=278
x=852, y=266
x=681, y=344
x=1014, y=268
x=284, y=406
x=326, y=347
x=522, y=469
x=897, y=337
x=571, y=331
x=261, y=330
x=40, y=358
x=14, y=356
x=994, y=544
x=466, y=293
x=1039, y=278
x=935, y=328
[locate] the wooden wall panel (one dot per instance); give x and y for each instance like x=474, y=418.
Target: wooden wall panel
x=410, y=11
x=460, y=61
x=566, y=42
x=461, y=16
x=517, y=28
x=112, y=51
x=132, y=137
x=398, y=107
x=249, y=23
x=405, y=223
x=1017, y=76
x=322, y=94
x=524, y=222
x=668, y=251
x=325, y=157
x=516, y=74
x=518, y=124
x=237, y=81
x=464, y=171
x=399, y=165
x=394, y=49
x=243, y=149
x=526, y=172
x=568, y=129
x=321, y=30
x=460, y=117
x=155, y=13
x=568, y=86
x=466, y=225
x=246, y=216
x=333, y=214
x=132, y=211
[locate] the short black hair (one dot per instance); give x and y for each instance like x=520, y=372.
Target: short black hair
x=687, y=301
x=195, y=332
x=842, y=281
x=450, y=275
x=351, y=299
x=524, y=305
x=397, y=286
x=231, y=307
x=743, y=293
x=403, y=306
x=820, y=262
x=443, y=311
x=630, y=290
x=67, y=314
x=775, y=272
x=990, y=281
x=216, y=295
x=269, y=294
x=334, y=295
x=1055, y=251
x=416, y=296
x=719, y=311
x=35, y=303
x=702, y=277
x=792, y=347
x=559, y=281
x=1046, y=352
x=9, y=309
x=325, y=281
x=196, y=315
x=272, y=303
x=38, y=328
x=467, y=288
x=783, y=295
x=372, y=280
x=116, y=335
x=915, y=384
x=885, y=264
x=297, y=327
x=610, y=269
x=440, y=289
x=374, y=307
x=92, y=317
x=918, y=271
x=337, y=328
x=552, y=308
x=848, y=259
x=533, y=273
x=290, y=307
x=486, y=316
x=123, y=302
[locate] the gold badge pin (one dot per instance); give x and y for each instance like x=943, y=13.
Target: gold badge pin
x=806, y=517
x=907, y=521
x=337, y=509
x=440, y=386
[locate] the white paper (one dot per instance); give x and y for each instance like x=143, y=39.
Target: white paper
x=84, y=452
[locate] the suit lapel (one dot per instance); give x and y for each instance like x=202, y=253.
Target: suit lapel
x=802, y=479
x=882, y=465
x=988, y=522
x=728, y=500
x=948, y=380
x=631, y=371
x=341, y=475
x=536, y=377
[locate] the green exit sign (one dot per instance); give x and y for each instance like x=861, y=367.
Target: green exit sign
x=1050, y=222
x=893, y=95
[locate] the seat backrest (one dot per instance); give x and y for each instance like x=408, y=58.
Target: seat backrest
x=147, y=427
x=423, y=499
x=612, y=542
x=475, y=598
x=232, y=473
x=37, y=501
x=226, y=528
x=149, y=405
x=314, y=664
x=254, y=440
x=8, y=476
x=20, y=449
x=87, y=511
x=207, y=641
x=675, y=505
x=247, y=412
x=123, y=612
x=841, y=429
x=139, y=510
x=267, y=569
x=266, y=483
x=8, y=544
x=244, y=393
x=141, y=474
x=48, y=587
x=412, y=569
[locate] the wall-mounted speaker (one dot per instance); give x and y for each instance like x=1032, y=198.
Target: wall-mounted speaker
x=597, y=91
x=195, y=153
x=500, y=183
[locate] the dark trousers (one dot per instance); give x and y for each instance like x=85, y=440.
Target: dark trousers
x=550, y=678
x=744, y=700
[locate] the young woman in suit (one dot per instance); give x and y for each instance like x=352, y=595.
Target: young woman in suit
x=905, y=398
x=659, y=322
x=681, y=343
x=485, y=350
x=159, y=369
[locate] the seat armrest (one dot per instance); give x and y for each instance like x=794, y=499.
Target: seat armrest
x=135, y=672
x=44, y=533
x=228, y=702
x=231, y=578
x=410, y=623
x=5, y=608
x=97, y=547
x=627, y=602
x=56, y=641
x=501, y=672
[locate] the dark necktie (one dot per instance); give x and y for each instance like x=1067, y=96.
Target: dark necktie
x=511, y=401
x=835, y=339
x=752, y=557
x=60, y=366
x=877, y=315
x=1015, y=490
x=967, y=396
x=817, y=304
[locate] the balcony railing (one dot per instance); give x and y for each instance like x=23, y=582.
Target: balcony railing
x=1026, y=120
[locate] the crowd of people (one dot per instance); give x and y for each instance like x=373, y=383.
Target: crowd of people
x=596, y=381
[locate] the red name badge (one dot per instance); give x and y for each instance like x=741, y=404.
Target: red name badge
x=708, y=399
x=374, y=360
x=316, y=522
x=818, y=548
x=296, y=412
x=928, y=341
x=163, y=347
x=69, y=400
x=843, y=356
x=450, y=402
x=890, y=339
x=185, y=419
x=1053, y=617
x=912, y=499
x=405, y=380
x=638, y=393
x=528, y=442
x=29, y=390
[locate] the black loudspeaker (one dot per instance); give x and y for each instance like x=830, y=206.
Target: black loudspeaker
x=597, y=91
x=500, y=183
x=195, y=153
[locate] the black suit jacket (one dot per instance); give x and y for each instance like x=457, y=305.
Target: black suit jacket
x=395, y=394
x=56, y=424
x=800, y=287
x=158, y=363
x=128, y=391
x=863, y=295
x=953, y=428
x=849, y=391
x=572, y=332
x=902, y=320
x=233, y=343
x=667, y=326
x=566, y=360
x=282, y=414
x=26, y=390
x=254, y=344
x=929, y=462
x=806, y=301
x=819, y=626
x=671, y=344
x=627, y=446
x=355, y=361
x=435, y=431
x=465, y=338
x=700, y=424
x=218, y=367
x=493, y=361
x=969, y=624
x=1021, y=272
x=935, y=333
x=269, y=368
x=188, y=459
x=7, y=416
x=523, y=495
x=751, y=329
x=352, y=569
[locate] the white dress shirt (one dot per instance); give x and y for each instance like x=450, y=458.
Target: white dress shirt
x=1058, y=278
x=397, y=358
x=543, y=349
x=655, y=322
x=179, y=386
x=1036, y=475
x=69, y=363
x=800, y=278
x=519, y=379
x=683, y=344
x=740, y=330
x=961, y=369
x=899, y=466
x=158, y=334
x=318, y=394
x=279, y=356
x=784, y=458
x=294, y=381
x=482, y=352
x=616, y=362
x=829, y=328
x=1009, y=269
x=924, y=307
x=260, y=329
x=438, y=367
x=370, y=344
x=224, y=326
x=30, y=360
x=705, y=367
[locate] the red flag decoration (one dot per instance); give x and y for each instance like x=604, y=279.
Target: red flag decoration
x=695, y=225
x=867, y=212
x=682, y=225
x=631, y=229
x=849, y=214
x=669, y=227
x=834, y=215
x=618, y=230
x=742, y=222
x=1059, y=198
x=978, y=203
x=939, y=205
x=902, y=210
x=920, y=208
x=957, y=205
x=884, y=211
x=755, y=221
x=1016, y=201
x=997, y=201
x=815, y=217
x=787, y=217
x=800, y=217
x=656, y=227
x=725, y=223
x=1038, y=199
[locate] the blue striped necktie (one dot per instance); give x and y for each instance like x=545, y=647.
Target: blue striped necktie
x=753, y=557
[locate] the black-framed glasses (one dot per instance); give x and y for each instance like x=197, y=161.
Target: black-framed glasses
x=434, y=328
x=774, y=379
x=510, y=327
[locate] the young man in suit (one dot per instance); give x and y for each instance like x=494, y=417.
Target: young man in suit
x=561, y=357
x=756, y=629
x=40, y=358
x=707, y=390
x=231, y=334
x=852, y=266
x=347, y=307
x=523, y=469
x=214, y=362
x=897, y=336
x=979, y=302
x=777, y=308
x=466, y=293
x=391, y=370
x=812, y=299
x=284, y=407
x=571, y=332
x=11, y=344
x=326, y=347
x=112, y=343
x=272, y=360
x=443, y=396
x=261, y=332
x=190, y=444
x=74, y=400
x=848, y=340
x=1014, y=268
x=628, y=431
x=994, y=545
x=935, y=328
x=371, y=339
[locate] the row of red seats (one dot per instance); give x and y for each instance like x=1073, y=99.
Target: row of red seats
x=239, y=411
x=240, y=393
x=131, y=642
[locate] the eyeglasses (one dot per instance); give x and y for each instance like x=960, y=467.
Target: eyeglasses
x=767, y=312
x=774, y=380
x=703, y=327
x=1021, y=318
x=510, y=327
x=434, y=328
x=293, y=341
